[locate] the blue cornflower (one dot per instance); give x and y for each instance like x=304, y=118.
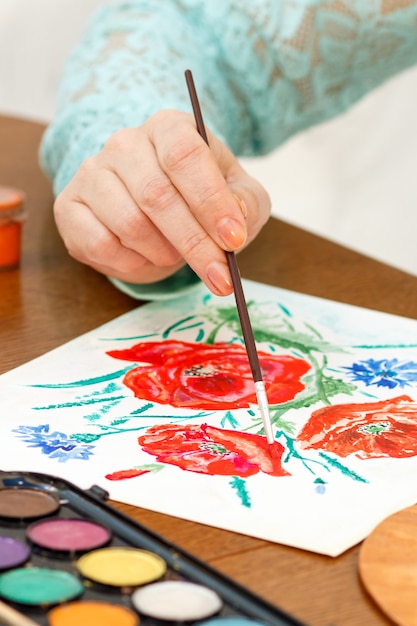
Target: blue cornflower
x=55, y=444
x=384, y=373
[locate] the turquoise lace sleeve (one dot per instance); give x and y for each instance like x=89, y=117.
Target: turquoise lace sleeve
x=181, y=283
x=264, y=69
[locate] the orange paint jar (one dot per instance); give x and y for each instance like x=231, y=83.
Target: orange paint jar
x=12, y=215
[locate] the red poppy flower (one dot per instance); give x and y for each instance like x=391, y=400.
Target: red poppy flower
x=374, y=429
x=209, y=450
x=207, y=376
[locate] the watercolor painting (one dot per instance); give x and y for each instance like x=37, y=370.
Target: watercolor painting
x=158, y=407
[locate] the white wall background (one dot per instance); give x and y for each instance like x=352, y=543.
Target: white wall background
x=35, y=37
x=352, y=179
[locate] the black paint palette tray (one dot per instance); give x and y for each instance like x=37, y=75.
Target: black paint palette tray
x=67, y=557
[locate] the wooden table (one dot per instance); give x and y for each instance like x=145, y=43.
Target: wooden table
x=52, y=299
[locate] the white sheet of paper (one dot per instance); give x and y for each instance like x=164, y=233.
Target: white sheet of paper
x=69, y=413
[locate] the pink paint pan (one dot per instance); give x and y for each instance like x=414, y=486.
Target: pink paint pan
x=67, y=535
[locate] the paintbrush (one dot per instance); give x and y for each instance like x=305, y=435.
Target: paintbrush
x=11, y=617
x=239, y=294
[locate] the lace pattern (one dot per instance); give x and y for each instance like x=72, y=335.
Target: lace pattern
x=264, y=69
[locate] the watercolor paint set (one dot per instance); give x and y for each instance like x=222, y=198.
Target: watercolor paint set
x=69, y=558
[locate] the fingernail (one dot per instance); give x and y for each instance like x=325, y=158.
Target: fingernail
x=232, y=233
x=218, y=275
x=242, y=205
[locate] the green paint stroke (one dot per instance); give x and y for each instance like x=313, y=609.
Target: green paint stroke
x=386, y=346
x=142, y=409
x=229, y=419
x=182, y=321
x=196, y=325
x=150, y=467
x=78, y=403
x=86, y=381
x=239, y=485
x=292, y=452
x=133, y=338
x=342, y=468
x=200, y=336
x=284, y=309
x=105, y=430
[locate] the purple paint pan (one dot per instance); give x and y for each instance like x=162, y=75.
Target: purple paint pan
x=12, y=553
x=69, y=536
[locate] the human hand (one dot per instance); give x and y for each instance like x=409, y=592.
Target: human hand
x=156, y=198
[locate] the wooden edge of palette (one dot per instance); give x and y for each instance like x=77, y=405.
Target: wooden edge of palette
x=388, y=566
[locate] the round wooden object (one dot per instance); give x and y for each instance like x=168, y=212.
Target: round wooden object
x=388, y=566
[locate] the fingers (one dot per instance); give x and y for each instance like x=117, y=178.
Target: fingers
x=178, y=182
x=89, y=240
x=108, y=199
x=184, y=190
x=192, y=167
x=252, y=198
x=102, y=250
x=167, y=210
x=157, y=197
